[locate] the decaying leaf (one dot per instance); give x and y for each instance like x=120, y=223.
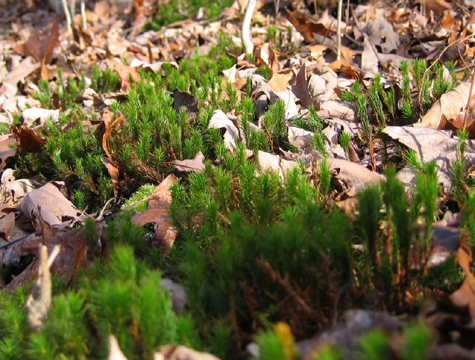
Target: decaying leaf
x=74, y=255
x=431, y=144
x=185, y=102
x=158, y=213
x=449, y=111
x=10, y=81
x=29, y=141
x=464, y=297
x=191, y=165
x=219, y=120
x=173, y=352
x=114, y=349
x=306, y=25
x=55, y=208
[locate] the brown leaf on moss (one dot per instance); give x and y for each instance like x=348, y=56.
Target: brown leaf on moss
x=29, y=141
x=190, y=165
x=464, y=297
x=307, y=26
x=158, y=213
x=41, y=46
x=126, y=74
x=73, y=255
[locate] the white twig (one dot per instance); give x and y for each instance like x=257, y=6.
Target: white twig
x=83, y=15
x=39, y=301
x=338, y=30
x=68, y=16
x=246, y=27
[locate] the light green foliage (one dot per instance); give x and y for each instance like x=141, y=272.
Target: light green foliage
x=271, y=346
x=374, y=346
x=418, y=341
x=345, y=139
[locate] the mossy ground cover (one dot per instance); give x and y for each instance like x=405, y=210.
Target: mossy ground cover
x=254, y=249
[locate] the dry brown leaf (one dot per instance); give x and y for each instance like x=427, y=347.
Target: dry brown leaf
x=158, y=213
x=346, y=67
x=356, y=176
x=107, y=135
x=7, y=150
x=300, y=87
x=280, y=80
x=449, y=111
x=29, y=141
x=190, y=165
x=113, y=172
x=41, y=46
x=430, y=144
x=125, y=73
x=464, y=297
x=7, y=224
x=307, y=26
x=182, y=101
x=436, y=6
x=55, y=208
x=219, y=120
x=11, y=80
x=73, y=255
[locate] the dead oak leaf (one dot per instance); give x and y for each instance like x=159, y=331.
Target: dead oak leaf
x=158, y=213
x=464, y=297
x=55, y=208
x=190, y=165
x=307, y=26
x=29, y=141
x=449, y=111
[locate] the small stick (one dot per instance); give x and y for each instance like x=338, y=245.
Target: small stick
x=246, y=27
x=338, y=30
x=465, y=118
x=68, y=16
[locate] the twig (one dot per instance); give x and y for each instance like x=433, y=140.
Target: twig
x=465, y=118
x=338, y=30
x=68, y=16
x=246, y=27
x=39, y=301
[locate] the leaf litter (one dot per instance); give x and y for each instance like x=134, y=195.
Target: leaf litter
x=309, y=76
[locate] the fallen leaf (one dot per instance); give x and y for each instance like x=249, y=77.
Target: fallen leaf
x=32, y=115
x=190, y=165
x=158, y=213
x=185, y=102
x=114, y=350
x=300, y=87
x=126, y=74
x=55, y=208
x=10, y=81
x=29, y=141
x=464, y=297
x=356, y=176
x=449, y=111
x=219, y=120
x=180, y=352
x=7, y=149
x=41, y=46
x=113, y=172
x=382, y=36
x=306, y=25
x=73, y=255
x=431, y=144
x=7, y=224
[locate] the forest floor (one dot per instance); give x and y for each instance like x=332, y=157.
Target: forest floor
x=304, y=201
